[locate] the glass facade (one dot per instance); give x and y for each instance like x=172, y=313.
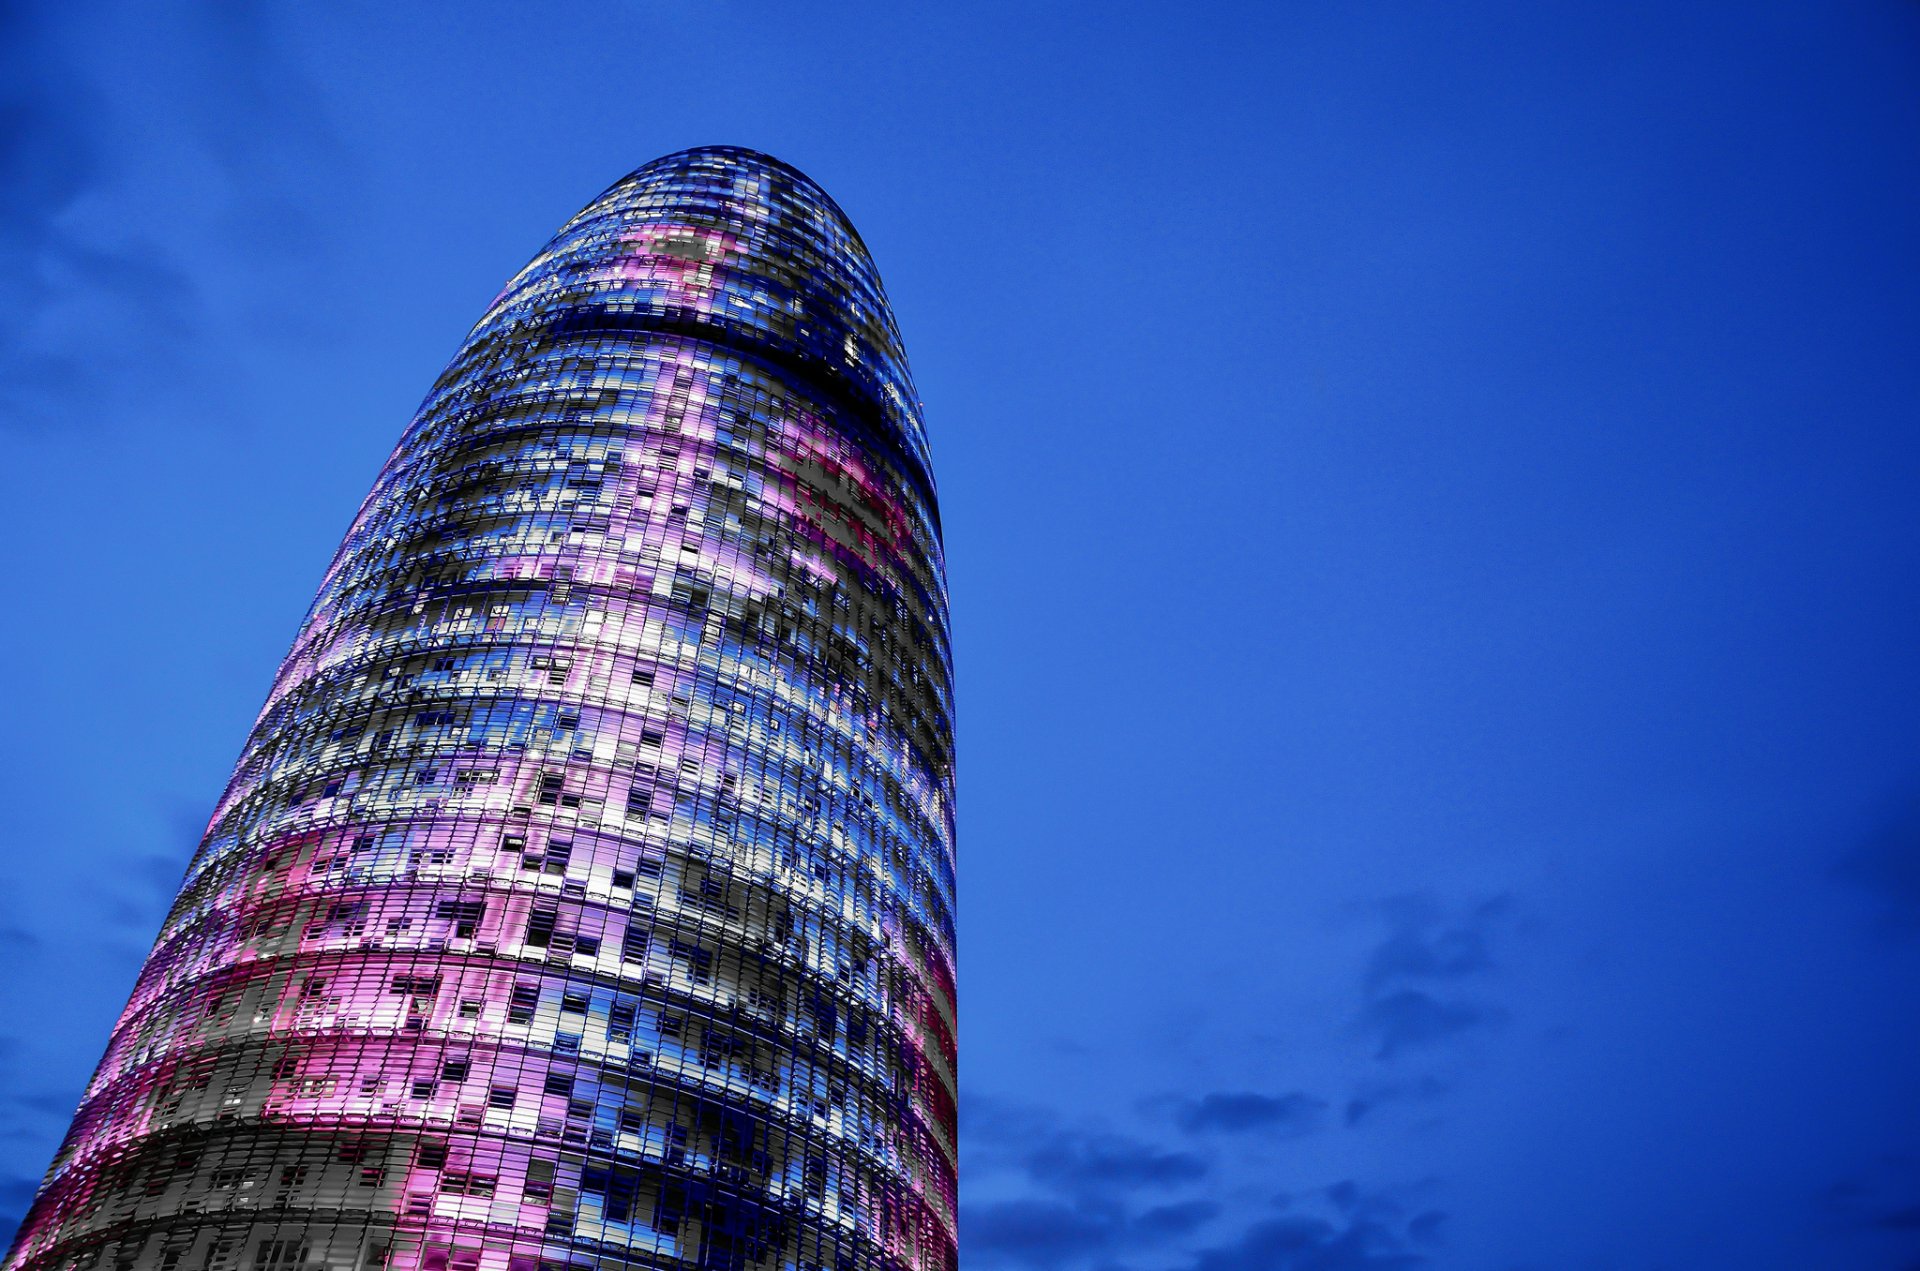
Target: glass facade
x=584, y=894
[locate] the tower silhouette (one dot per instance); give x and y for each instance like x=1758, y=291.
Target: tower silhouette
x=583, y=895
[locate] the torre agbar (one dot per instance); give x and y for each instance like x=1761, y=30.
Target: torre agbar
x=584, y=894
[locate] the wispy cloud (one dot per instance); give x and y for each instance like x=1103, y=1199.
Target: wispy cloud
x=1417, y=991
x=118, y=909
x=27, y=1114
x=1883, y=1195
x=1374, y=1095
x=1181, y=1219
x=1302, y=1243
x=263, y=126
x=1070, y=1192
x=1411, y=1018
x=72, y=295
x=1059, y=1156
x=1046, y=1232
x=1366, y=1230
x=1886, y=864
x=1066, y=1194
x=1248, y=1112
x=1041, y=1232
x=89, y=305
x=16, y=1193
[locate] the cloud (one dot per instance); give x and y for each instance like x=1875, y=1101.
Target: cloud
x=265, y=103
x=1243, y=1112
x=1061, y=1157
x=1308, y=1244
x=262, y=126
x=1413, y=986
x=1369, y=1230
x=70, y=295
x=1084, y=1163
x=1367, y=1234
x=1884, y=1195
x=1049, y=1233
x=16, y=1193
x=135, y=899
x=1373, y=1096
x=88, y=306
x=1424, y=1228
x=1046, y=1232
x=1165, y=1221
x=1886, y=864
x=1424, y=946
x=1409, y=1018
x=1068, y=1192
x=26, y=1115
x=1073, y=1195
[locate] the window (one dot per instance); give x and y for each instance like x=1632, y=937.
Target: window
x=634, y=943
x=280, y=1253
x=465, y=915
x=699, y=961
x=520, y=1006
x=540, y=927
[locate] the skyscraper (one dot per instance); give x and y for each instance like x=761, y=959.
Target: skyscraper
x=583, y=895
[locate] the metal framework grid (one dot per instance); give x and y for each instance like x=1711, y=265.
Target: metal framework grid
x=584, y=893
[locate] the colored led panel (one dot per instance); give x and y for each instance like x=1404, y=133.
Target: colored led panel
x=584, y=894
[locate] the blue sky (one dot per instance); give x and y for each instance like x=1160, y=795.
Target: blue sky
x=1430, y=494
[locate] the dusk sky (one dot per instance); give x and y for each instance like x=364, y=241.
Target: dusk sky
x=1430, y=493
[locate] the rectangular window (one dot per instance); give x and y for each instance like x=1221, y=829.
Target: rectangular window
x=634, y=944
x=540, y=927
x=521, y=1006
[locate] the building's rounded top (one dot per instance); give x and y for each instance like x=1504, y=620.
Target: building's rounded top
x=725, y=244
x=738, y=158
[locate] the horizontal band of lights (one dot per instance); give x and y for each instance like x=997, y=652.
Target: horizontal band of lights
x=584, y=894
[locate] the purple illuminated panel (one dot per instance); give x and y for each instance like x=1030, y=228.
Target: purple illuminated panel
x=584, y=894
